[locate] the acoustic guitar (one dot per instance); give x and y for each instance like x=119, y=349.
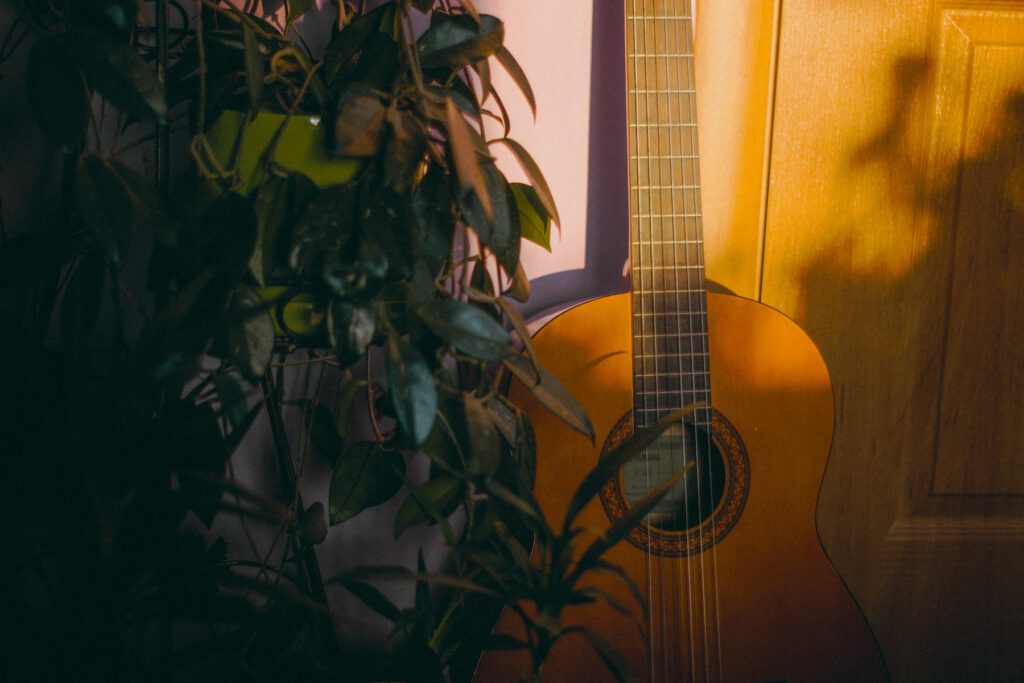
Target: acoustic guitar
x=738, y=586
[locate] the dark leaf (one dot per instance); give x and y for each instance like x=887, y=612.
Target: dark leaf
x=500, y=231
x=107, y=202
x=346, y=43
x=350, y=329
x=456, y=40
x=279, y=201
x=57, y=93
x=547, y=389
x=344, y=406
x=518, y=76
x=406, y=146
x=253, y=68
x=467, y=163
x=623, y=525
x=435, y=219
x=366, y=475
x=228, y=233
x=534, y=221
x=431, y=502
x=373, y=598
x=469, y=329
x=485, y=446
x=231, y=397
x=412, y=389
x=121, y=75
x=30, y=258
x=296, y=8
x=609, y=654
x=81, y=304
x=189, y=442
x=114, y=16
x=323, y=432
x=250, y=333
x=325, y=225
x=500, y=641
x=312, y=525
x=378, y=63
x=358, y=125
x=607, y=467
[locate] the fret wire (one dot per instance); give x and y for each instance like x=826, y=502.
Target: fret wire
x=662, y=125
x=680, y=55
x=666, y=91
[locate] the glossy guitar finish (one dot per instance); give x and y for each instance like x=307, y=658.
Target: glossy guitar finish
x=764, y=604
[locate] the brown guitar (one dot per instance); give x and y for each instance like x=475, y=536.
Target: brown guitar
x=738, y=586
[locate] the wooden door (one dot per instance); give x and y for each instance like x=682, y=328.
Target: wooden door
x=888, y=220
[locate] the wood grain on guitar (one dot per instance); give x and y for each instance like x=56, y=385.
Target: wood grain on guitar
x=735, y=581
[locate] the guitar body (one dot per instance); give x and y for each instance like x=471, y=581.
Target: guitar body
x=763, y=603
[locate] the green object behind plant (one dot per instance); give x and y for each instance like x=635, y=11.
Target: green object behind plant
x=302, y=147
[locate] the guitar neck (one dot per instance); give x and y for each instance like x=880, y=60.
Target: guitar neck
x=670, y=348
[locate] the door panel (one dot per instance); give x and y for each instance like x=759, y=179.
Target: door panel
x=893, y=233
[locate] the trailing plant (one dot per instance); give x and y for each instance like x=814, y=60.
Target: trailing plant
x=388, y=267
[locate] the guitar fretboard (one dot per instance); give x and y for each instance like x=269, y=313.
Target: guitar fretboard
x=670, y=347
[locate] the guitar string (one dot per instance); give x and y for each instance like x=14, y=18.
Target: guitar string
x=702, y=305
x=670, y=99
x=652, y=148
x=639, y=300
x=669, y=313
x=656, y=204
x=704, y=373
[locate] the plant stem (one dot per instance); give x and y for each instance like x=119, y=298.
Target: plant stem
x=307, y=552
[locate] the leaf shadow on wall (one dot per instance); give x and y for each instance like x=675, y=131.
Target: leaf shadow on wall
x=915, y=302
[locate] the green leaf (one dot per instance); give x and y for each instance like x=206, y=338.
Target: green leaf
x=430, y=502
x=57, y=93
x=250, y=333
x=550, y=391
x=350, y=329
x=535, y=176
x=107, y=203
x=469, y=329
x=366, y=475
x=412, y=389
x=457, y=40
x=253, y=68
x=534, y=221
x=121, y=75
x=623, y=453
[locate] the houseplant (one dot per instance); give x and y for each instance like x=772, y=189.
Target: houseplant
x=181, y=305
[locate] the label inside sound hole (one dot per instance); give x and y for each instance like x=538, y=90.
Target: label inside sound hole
x=703, y=506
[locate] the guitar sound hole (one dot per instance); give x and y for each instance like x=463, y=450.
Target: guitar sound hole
x=694, y=498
